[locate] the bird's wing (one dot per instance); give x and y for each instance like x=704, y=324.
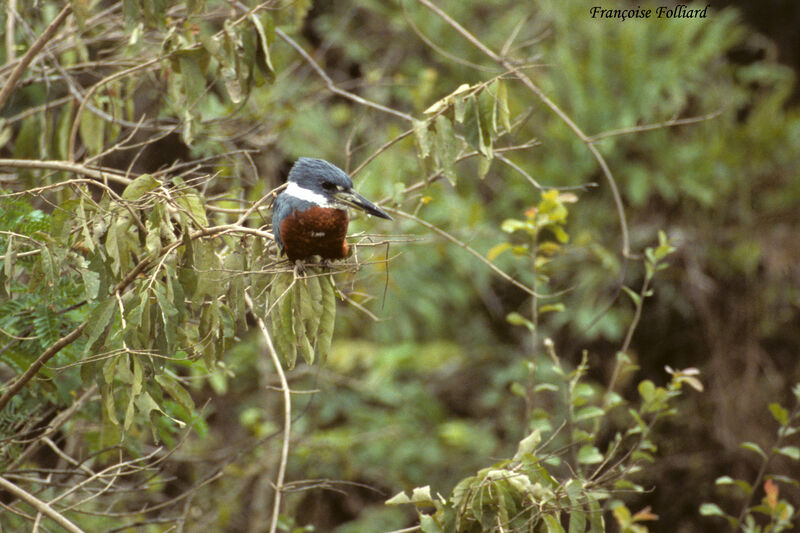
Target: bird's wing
x=280, y=210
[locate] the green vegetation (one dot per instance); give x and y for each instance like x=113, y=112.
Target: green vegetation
x=580, y=320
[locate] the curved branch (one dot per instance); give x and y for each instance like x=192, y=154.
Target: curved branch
x=37, y=46
x=40, y=506
x=511, y=67
x=66, y=166
x=73, y=135
x=466, y=247
x=287, y=414
x=332, y=86
x=56, y=347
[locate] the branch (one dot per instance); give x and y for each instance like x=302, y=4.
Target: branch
x=332, y=86
x=287, y=413
x=40, y=506
x=16, y=74
x=657, y=126
x=64, y=341
x=11, y=12
x=66, y=166
x=466, y=247
x=511, y=67
x=39, y=363
x=93, y=89
x=54, y=426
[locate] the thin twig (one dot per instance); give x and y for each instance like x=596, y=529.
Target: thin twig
x=466, y=247
x=66, y=166
x=332, y=86
x=39, y=363
x=85, y=101
x=63, y=341
x=40, y=506
x=511, y=67
x=55, y=425
x=19, y=70
x=657, y=126
x=287, y=413
x=11, y=17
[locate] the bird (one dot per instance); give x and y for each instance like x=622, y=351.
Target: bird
x=310, y=215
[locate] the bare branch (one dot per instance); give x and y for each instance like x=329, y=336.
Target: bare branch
x=332, y=86
x=511, y=67
x=56, y=347
x=41, y=506
x=19, y=70
x=66, y=166
x=287, y=413
x=466, y=247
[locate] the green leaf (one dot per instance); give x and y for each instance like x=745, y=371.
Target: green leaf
x=422, y=138
x=113, y=248
x=779, y=413
x=194, y=81
x=647, y=390
x=784, y=479
x=486, y=103
x=91, y=283
x=637, y=300
x=194, y=205
x=753, y=447
x=587, y=413
x=528, y=444
x=792, y=452
x=711, y=509
x=176, y=391
x=446, y=148
x=502, y=103
x=98, y=320
x=420, y=496
x=510, y=225
x=91, y=128
x=589, y=455
x=399, y=499
x=6, y=133
x=138, y=375
x=560, y=234
x=327, y=319
x=476, y=133
x=109, y=369
x=498, y=249
x=139, y=187
x=516, y=319
x=577, y=514
x=596, y=521
x=727, y=480
x=428, y=524
x=264, y=36
x=286, y=318
x=107, y=392
x=234, y=266
x=552, y=308
x=483, y=167
x=553, y=524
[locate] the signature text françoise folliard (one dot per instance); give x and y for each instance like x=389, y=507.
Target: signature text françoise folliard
x=681, y=11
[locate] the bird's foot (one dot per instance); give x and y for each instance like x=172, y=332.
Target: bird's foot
x=299, y=268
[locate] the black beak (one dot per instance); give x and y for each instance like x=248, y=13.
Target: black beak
x=353, y=199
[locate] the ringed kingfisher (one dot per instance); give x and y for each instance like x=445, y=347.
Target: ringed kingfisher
x=310, y=216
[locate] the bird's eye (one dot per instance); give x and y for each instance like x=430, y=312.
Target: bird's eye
x=329, y=186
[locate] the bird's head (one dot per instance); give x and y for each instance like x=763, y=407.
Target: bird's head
x=326, y=185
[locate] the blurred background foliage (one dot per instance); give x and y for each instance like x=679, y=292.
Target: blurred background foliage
x=424, y=394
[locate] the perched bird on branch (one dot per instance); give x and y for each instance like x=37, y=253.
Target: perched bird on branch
x=310, y=215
